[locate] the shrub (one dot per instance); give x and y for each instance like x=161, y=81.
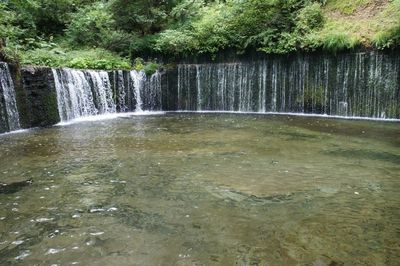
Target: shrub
x=284, y=43
x=138, y=64
x=119, y=42
x=310, y=18
x=150, y=68
x=142, y=45
x=82, y=59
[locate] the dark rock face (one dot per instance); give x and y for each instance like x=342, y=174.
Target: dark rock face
x=3, y=115
x=169, y=81
x=39, y=97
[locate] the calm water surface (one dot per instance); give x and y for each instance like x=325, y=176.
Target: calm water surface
x=203, y=189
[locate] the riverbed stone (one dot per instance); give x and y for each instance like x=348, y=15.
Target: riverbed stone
x=8, y=186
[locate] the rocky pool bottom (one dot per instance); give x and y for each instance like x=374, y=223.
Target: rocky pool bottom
x=202, y=189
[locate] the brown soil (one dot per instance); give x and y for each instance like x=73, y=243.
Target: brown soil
x=365, y=12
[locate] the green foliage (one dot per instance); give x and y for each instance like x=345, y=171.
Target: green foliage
x=51, y=16
x=44, y=17
x=261, y=24
x=24, y=16
x=142, y=45
x=119, y=42
x=213, y=31
x=141, y=16
x=90, y=59
x=265, y=25
x=36, y=29
x=7, y=32
x=97, y=59
x=90, y=25
x=176, y=42
x=310, y=18
x=186, y=10
x=138, y=64
x=391, y=37
x=285, y=43
x=7, y=19
x=272, y=26
x=150, y=68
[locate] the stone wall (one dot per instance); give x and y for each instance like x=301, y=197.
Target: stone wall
x=362, y=84
x=38, y=100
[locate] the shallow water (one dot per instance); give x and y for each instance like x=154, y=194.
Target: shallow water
x=203, y=189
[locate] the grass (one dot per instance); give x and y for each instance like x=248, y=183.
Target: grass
x=349, y=24
x=390, y=37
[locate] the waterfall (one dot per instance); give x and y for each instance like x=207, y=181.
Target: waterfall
x=349, y=84
x=102, y=92
x=146, y=90
x=138, y=79
x=88, y=92
x=8, y=104
x=82, y=93
x=152, y=97
x=359, y=84
x=262, y=80
x=198, y=85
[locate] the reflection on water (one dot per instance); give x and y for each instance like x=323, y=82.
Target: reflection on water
x=205, y=189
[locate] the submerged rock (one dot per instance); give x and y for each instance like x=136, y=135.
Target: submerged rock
x=12, y=187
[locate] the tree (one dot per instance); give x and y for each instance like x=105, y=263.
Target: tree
x=141, y=16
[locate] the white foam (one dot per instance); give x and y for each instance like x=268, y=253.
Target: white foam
x=291, y=114
x=97, y=210
x=42, y=220
x=23, y=255
x=97, y=234
x=19, y=131
x=103, y=117
x=54, y=251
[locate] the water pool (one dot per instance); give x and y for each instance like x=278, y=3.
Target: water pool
x=202, y=189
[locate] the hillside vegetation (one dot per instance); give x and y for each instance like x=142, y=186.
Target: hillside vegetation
x=110, y=34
